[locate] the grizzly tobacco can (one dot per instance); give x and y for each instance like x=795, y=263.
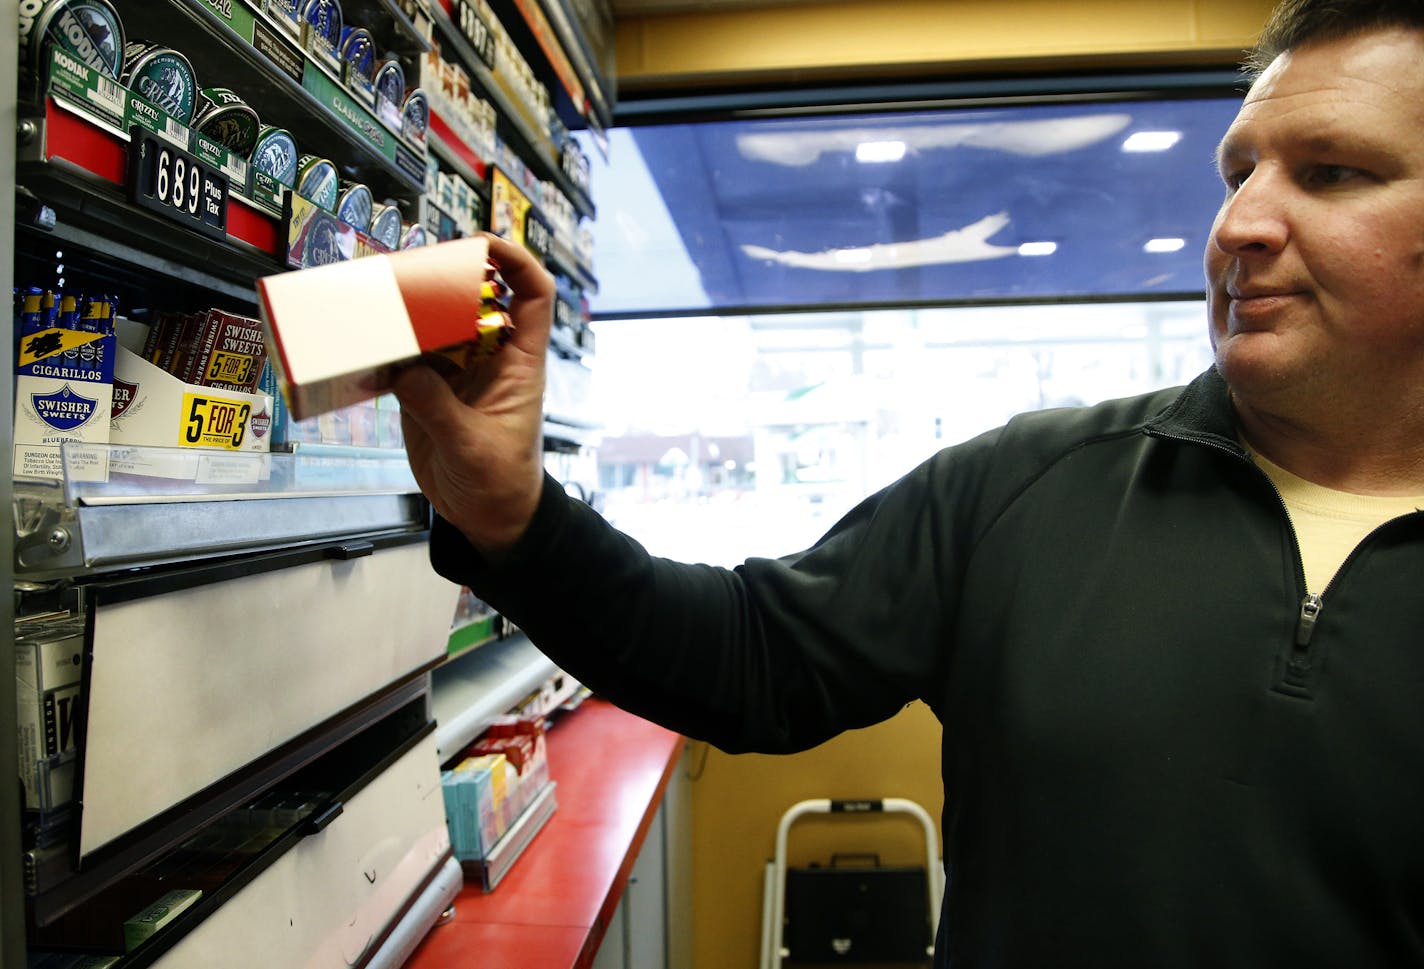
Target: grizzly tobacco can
x=161, y=75
x=319, y=181
x=353, y=206
x=276, y=154
x=89, y=30
x=223, y=116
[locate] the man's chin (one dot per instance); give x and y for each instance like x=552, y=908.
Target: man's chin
x=1248, y=368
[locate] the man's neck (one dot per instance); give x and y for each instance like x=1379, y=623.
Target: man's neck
x=1373, y=458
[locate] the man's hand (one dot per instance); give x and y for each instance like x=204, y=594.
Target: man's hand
x=474, y=438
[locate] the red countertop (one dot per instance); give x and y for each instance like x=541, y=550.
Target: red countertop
x=552, y=908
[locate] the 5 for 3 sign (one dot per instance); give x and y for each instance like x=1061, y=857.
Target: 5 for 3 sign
x=210, y=422
x=176, y=184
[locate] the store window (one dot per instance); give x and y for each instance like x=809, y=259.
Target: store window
x=794, y=311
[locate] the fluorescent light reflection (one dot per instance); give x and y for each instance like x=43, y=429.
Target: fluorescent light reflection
x=1151, y=140
x=1163, y=245
x=1038, y=248
x=853, y=257
x=875, y=152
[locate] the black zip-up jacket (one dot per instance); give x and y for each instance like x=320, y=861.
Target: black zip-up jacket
x=1155, y=754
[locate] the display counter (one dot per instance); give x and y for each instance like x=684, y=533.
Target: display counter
x=551, y=911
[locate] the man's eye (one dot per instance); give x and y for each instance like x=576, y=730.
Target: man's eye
x=1332, y=174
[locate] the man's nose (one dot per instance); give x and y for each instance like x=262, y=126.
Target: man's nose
x=1254, y=218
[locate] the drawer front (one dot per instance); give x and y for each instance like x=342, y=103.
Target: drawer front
x=331, y=899
x=186, y=687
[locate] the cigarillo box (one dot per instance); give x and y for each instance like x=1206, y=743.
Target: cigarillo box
x=63, y=392
x=335, y=332
x=153, y=408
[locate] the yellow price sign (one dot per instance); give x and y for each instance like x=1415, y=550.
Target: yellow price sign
x=214, y=422
x=232, y=368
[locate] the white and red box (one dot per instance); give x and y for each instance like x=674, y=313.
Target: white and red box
x=336, y=332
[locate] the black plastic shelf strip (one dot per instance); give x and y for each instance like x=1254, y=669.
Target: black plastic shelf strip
x=95, y=216
x=162, y=834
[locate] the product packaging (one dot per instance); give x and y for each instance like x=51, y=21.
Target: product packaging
x=64, y=371
x=155, y=409
x=336, y=332
x=48, y=659
x=153, y=918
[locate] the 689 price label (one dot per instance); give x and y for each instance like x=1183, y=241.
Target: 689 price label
x=177, y=185
x=214, y=422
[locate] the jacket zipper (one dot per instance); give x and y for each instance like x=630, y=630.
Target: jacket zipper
x=1310, y=608
x=1312, y=604
x=1298, y=664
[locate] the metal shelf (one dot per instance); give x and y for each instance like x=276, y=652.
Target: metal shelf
x=96, y=217
x=518, y=15
x=470, y=692
x=278, y=97
x=529, y=144
x=145, y=513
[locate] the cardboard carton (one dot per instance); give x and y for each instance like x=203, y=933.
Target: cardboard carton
x=335, y=332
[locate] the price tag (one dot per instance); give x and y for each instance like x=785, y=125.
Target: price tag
x=214, y=422
x=177, y=184
x=476, y=31
x=538, y=237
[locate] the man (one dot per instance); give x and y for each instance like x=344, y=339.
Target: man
x=1174, y=641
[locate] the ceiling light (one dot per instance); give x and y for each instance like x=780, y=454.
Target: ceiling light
x=1163, y=245
x=1151, y=140
x=1038, y=248
x=879, y=151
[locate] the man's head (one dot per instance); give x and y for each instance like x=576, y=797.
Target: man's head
x=1315, y=263
x=1296, y=22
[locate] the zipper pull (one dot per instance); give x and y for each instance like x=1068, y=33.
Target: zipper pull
x=1310, y=608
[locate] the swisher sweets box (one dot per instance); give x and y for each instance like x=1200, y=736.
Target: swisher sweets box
x=334, y=332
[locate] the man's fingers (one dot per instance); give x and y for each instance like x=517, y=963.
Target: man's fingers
x=532, y=305
x=426, y=398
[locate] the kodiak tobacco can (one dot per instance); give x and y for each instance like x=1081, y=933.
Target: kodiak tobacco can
x=162, y=76
x=223, y=116
x=88, y=30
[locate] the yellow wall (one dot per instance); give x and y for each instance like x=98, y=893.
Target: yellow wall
x=737, y=801
x=881, y=38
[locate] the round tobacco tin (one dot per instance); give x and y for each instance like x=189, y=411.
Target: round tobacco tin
x=325, y=19
x=390, y=81
x=88, y=30
x=322, y=245
x=227, y=119
x=161, y=75
x=318, y=180
x=386, y=225
x=415, y=116
x=275, y=154
x=358, y=48
x=413, y=236
x=353, y=206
